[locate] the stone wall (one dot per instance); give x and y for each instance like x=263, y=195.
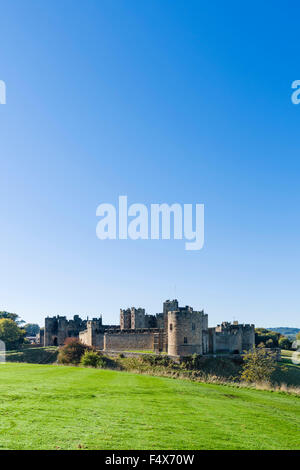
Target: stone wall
x=93, y=335
x=126, y=340
x=58, y=328
x=231, y=338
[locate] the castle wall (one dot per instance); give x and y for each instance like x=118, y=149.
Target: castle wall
x=205, y=342
x=234, y=338
x=212, y=340
x=93, y=335
x=126, y=340
x=229, y=341
x=178, y=331
x=58, y=328
x=160, y=320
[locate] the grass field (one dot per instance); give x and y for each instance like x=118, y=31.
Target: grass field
x=49, y=407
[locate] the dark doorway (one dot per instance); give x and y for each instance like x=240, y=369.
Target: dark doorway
x=55, y=341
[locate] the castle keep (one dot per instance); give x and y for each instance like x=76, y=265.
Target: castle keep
x=178, y=331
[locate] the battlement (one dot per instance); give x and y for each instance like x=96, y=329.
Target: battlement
x=228, y=326
x=179, y=331
x=131, y=331
x=58, y=328
x=232, y=337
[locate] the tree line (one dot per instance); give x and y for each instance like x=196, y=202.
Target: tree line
x=13, y=330
x=272, y=339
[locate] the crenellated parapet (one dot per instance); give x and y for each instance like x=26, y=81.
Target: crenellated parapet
x=59, y=328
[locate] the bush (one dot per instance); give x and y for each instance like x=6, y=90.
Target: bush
x=156, y=360
x=259, y=365
x=72, y=352
x=285, y=343
x=91, y=359
x=193, y=362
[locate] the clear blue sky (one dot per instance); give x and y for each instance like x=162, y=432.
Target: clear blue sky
x=163, y=101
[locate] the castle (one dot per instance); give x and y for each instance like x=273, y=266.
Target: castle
x=178, y=331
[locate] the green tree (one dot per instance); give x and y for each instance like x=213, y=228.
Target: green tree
x=72, y=352
x=10, y=333
x=32, y=329
x=285, y=343
x=11, y=316
x=262, y=335
x=258, y=366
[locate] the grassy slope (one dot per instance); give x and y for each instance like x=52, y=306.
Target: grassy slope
x=44, y=407
x=291, y=374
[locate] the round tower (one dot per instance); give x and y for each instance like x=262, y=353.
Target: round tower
x=184, y=332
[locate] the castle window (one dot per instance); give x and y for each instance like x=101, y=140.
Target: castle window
x=185, y=340
x=193, y=326
x=171, y=326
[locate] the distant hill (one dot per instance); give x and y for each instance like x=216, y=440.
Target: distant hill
x=289, y=332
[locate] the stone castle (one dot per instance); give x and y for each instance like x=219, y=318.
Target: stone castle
x=178, y=331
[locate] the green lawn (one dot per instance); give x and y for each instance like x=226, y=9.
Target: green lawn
x=48, y=407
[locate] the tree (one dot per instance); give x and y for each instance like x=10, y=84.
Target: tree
x=32, y=329
x=285, y=343
x=72, y=351
x=262, y=335
x=10, y=333
x=298, y=336
x=259, y=365
x=11, y=316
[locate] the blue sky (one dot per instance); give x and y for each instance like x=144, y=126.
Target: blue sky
x=162, y=101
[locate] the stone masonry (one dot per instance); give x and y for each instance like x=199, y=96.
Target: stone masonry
x=178, y=331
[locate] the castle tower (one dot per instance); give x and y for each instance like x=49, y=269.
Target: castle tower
x=184, y=332
x=55, y=331
x=93, y=335
x=168, y=306
x=137, y=318
x=248, y=340
x=125, y=319
x=51, y=331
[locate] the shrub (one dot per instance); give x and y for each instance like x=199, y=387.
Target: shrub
x=91, y=359
x=193, y=362
x=156, y=360
x=259, y=365
x=72, y=351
